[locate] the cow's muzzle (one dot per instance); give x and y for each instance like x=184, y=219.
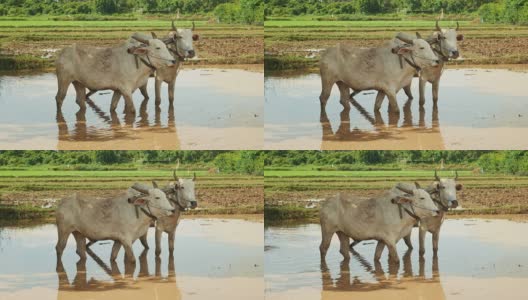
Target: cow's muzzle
x=191, y=53
x=455, y=54
x=194, y=204
x=454, y=204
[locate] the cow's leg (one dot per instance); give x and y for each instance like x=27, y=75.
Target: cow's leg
x=62, y=240
x=407, y=241
x=422, y=90
x=63, y=84
x=345, y=95
x=436, y=237
x=129, y=103
x=115, y=250
x=81, y=94
x=436, y=85
x=407, y=90
x=81, y=244
x=325, y=91
x=157, y=86
x=158, y=241
x=354, y=243
x=343, y=240
x=143, y=240
x=393, y=104
x=143, y=90
x=325, y=241
x=393, y=253
x=379, y=100
x=129, y=253
x=115, y=100
x=171, y=91
x=379, y=249
x=171, y=242
x=422, y=241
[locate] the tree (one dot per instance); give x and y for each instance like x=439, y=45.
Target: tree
x=106, y=7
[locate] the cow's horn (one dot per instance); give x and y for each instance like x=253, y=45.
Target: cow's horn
x=193, y=26
x=417, y=185
x=154, y=184
x=401, y=37
x=194, y=176
x=458, y=26
x=438, y=27
x=436, y=177
x=456, y=175
x=173, y=27
x=143, y=41
x=405, y=190
x=174, y=175
x=136, y=186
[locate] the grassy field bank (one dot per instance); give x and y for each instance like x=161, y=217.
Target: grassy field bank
x=33, y=43
x=26, y=194
x=295, y=194
x=294, y=43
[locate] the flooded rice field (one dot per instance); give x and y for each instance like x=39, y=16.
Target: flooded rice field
x=474, y=112
x=214, y=258
x=212, y=109
x=478, y=259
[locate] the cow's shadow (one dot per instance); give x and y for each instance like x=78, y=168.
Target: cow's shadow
x=121, y=285
x=380, y=130
x=110, y=127
x=399, y=280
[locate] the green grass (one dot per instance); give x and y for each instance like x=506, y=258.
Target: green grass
x=369, y=24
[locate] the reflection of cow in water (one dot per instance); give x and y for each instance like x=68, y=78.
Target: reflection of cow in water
x=140, y=134
x=408, y=287
x=144, y=286
x=383, y=136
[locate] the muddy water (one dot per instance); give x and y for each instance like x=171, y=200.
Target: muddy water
x=477, y=109
x=212, y=109
x=478, y=259
x=214, y=258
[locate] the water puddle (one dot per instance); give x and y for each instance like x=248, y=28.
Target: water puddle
x=214, y=258
x=478, y=259
x=212, y=109
x=474, y=112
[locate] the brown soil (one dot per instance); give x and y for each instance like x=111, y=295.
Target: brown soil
x=470, y=198
x=496, y=49
x=210, y=50
x=211, y=198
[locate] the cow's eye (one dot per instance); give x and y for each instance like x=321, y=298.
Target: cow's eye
x=422, y=198
x=422, y=48
x=157, y=198
x=158, y=48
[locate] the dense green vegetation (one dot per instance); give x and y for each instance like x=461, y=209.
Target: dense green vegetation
x=509, y=162
x=240, y=162
x=492, y=11
x=226, y=11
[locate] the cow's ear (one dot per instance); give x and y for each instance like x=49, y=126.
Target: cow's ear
x=401, y=200
x=404, y=50
x=458, y=187
x=138, y=50
x=460, y=37
x=139, y=201
x=438, y=186
x=195, y=37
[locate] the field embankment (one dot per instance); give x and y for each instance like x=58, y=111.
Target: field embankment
x=295, y=195
x=296, y=43
x=29, y=194
x=33, y=43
